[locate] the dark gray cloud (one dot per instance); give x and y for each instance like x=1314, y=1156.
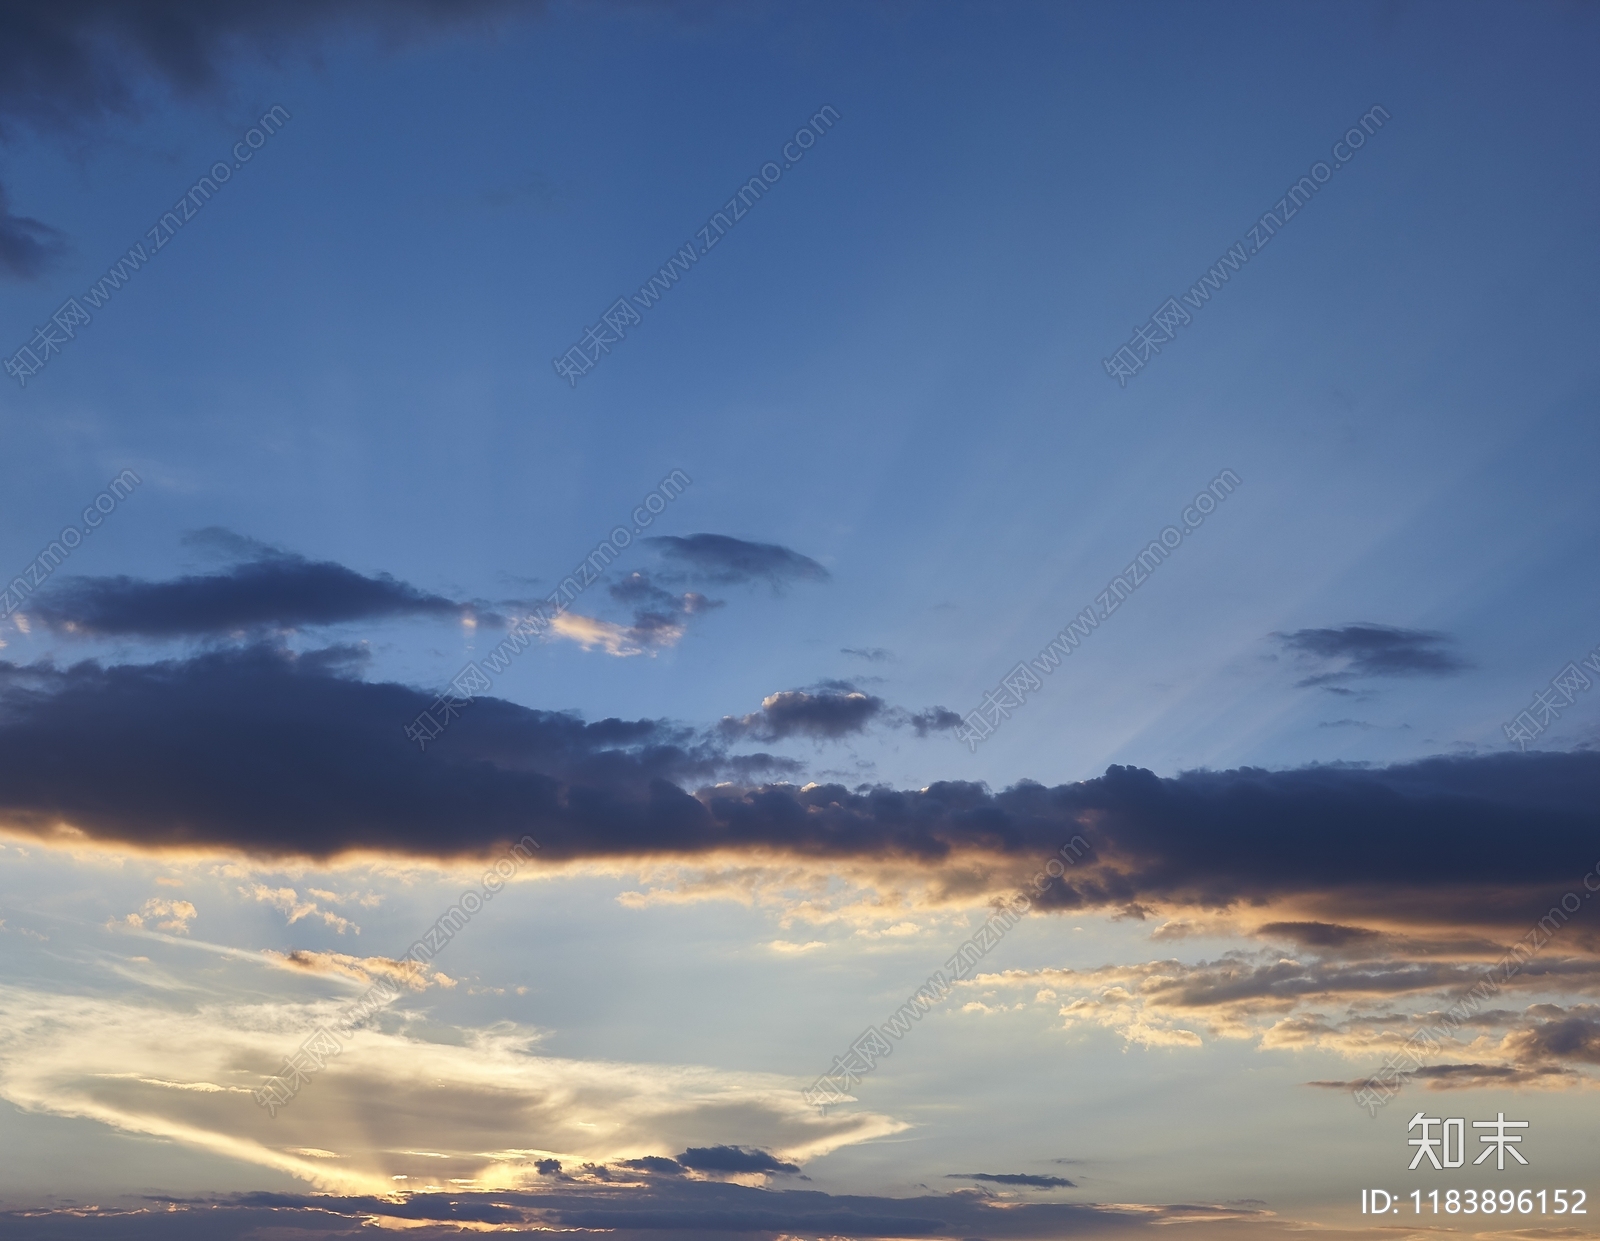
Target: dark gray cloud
x=70, y=64
x=872, y=654
x=725, y=561
x=28, y=247
x=824, y=714
x=828, y=711
x=656, y=1165
x=1469, y=1077
x=1323, y=934
x=933, y=720
x=1367, y=650
x=1014, y=1178
x=275, y=590
x=259, y=736
x=666, y=1209
x=733, y=1159
x=262, y=750
x=1571, y=1038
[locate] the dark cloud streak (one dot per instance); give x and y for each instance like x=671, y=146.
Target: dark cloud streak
x=274, y=591
x=1367, y=650
x=71, y=64
x=28, y=247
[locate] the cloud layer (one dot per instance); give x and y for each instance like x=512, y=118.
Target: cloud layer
x=273, y=590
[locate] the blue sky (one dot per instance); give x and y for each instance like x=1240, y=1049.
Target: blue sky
x=888, y=377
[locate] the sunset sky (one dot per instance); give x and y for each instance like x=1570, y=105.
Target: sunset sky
x=795, y=468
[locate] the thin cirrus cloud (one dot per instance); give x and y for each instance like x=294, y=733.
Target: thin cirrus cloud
x=1352, y=652
x=269, y=590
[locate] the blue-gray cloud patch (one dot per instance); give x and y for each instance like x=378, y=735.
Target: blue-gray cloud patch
x=1352, y=652
x=721, y=560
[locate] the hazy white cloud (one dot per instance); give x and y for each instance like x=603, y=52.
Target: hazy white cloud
x=164, y=915
x=591, y=632
x=480, y=1108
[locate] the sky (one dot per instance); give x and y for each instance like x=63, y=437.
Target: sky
x=797, y=621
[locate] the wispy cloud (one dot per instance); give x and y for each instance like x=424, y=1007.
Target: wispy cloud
x=1350, y=652
x=173, y=917
x=295, y=907
x=722, y=560
x=376, y=1119
x=271, y=590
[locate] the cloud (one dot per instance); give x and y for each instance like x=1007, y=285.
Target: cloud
x=170, y=916
x=363, y=970
x=1368, y=650
x=266, y=751
x=660, y=619
x=1364, y=1008
x=273, y=590
x=1014, y=1178
x=1572, y=1038
x=824, y=714
x=725, y=561
x=65, y=67
x=64, y=64
x=296, y=908
x=733, y=1159
x=478, y=1109
x=657, y=1165
x=591, y=633
x=1470, y=1077
x=933, y=719
x=199, y=753
x=670, y=1208
x=1323, y=934
x=872, y=654
x=28, y=247
x=828, y=712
